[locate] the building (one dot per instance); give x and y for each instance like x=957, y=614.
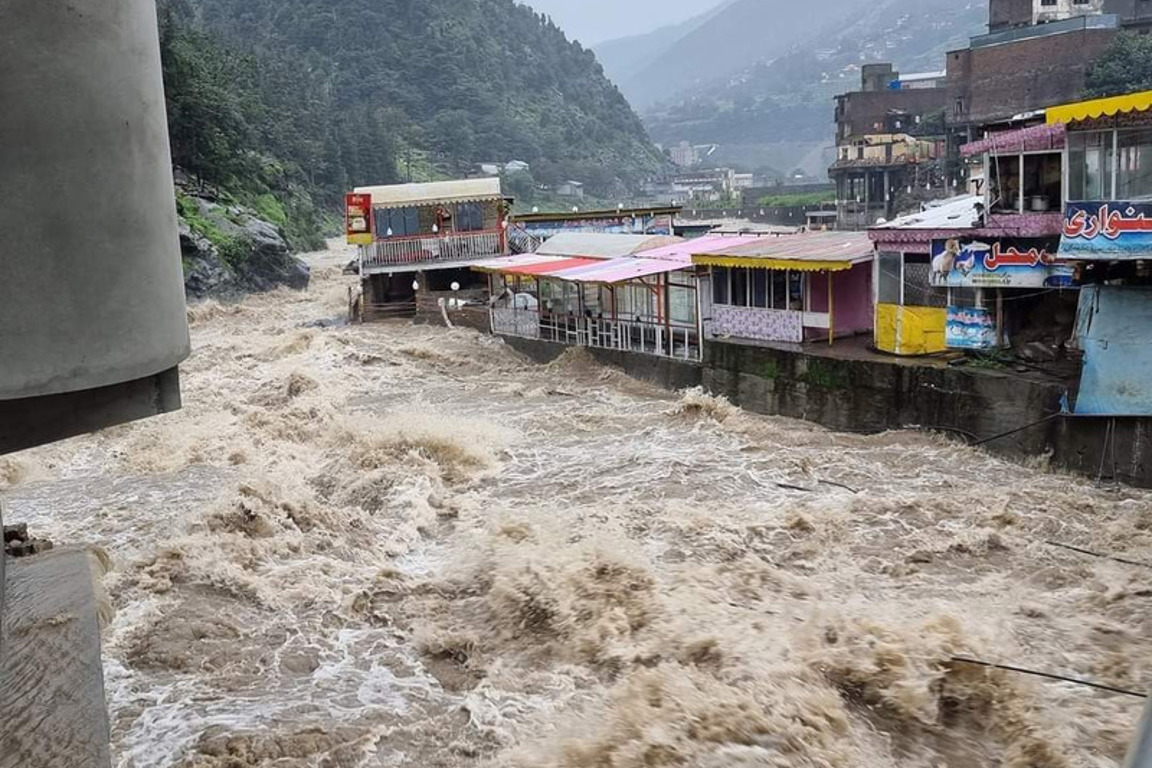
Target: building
x=910, y=315
x=787, y=289
x=573, y=189
x=889, y=147
x=1107, y=234
x=1036, y=54
x=683, y=155
x=526, y=232
x=422, y=239
x=980, y=272
x=645, y=300
x=1008, y=14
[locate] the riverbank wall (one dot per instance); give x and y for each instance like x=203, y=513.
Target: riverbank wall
x=1012, y=415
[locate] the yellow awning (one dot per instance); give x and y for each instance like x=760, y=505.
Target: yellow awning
x=1088, y=110
x=797, y=265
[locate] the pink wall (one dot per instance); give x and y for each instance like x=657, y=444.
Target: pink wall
x=852, y=296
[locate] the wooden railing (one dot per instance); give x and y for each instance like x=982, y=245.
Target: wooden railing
x=431, y=249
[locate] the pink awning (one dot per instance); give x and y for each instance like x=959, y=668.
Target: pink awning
x=1036, y=138
x=620, y=270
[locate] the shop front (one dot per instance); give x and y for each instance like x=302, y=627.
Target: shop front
x=790, y=289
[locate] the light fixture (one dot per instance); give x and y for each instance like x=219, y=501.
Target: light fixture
x=455, y=286
x=415, y=285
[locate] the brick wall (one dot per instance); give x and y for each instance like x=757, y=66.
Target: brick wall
x=860, y=112
x=1009, y=13
x=998, y=81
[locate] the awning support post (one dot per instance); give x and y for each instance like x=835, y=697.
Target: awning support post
x=831, y=311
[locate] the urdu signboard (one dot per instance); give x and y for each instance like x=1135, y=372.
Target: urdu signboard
x=1112, y=231
x=970, y=328
x=963, y=263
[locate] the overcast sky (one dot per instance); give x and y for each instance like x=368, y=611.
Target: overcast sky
x=594, y=21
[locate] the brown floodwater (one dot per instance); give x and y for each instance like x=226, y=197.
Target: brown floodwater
x=395, y=545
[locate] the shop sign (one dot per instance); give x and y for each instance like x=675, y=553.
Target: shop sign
x=970, y=328
x=1107, y=230
x=358, y=219
x=960, y=263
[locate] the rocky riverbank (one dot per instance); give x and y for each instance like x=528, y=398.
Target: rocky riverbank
x=229, y=251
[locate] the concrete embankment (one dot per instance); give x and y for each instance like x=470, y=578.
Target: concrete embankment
x=1011, y=415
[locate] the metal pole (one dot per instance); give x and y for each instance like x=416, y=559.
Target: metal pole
x=831, y=312
x=1140, y=753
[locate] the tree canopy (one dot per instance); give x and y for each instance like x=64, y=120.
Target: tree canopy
x=1125, y=67
x=325, y=94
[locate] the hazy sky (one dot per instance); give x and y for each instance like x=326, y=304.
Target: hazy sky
x=594, y=21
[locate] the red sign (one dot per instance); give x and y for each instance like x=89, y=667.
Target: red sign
x=358, y=219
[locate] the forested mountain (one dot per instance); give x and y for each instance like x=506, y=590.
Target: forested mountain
x=299, y=97
x=775, y=108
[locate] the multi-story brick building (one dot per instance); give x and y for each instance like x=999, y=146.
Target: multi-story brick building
x=1037, y=53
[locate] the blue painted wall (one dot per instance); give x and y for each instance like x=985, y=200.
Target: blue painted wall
x=1114, y=328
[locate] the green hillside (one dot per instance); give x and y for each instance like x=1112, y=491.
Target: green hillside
x=302, y=99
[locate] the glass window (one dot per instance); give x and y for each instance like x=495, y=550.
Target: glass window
x=1134, y=177
x=760, y=288
x=469, y=217
x=401, y=222
x=918, y=290
x=740, y=287
x=779, y=289
x=720, y=293
x=683, y=304
x=1090, y=165
x=796, y=291
x=890, y=277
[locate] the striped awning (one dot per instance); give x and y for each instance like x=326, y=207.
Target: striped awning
x=1097, y=108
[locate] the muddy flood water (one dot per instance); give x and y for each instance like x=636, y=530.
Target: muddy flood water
x=410, y=546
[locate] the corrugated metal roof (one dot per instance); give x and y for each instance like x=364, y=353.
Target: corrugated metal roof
x=955, y=213
x=508, y=263
x=823, y=249
x=461, y=191
x=682, y=252
x=601, y=246
x=1035, y=138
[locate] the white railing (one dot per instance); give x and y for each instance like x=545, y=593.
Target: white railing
x=523, y=323
x=430, y=249
x=679, y=342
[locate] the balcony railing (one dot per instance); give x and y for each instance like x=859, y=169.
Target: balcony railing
x=681, y=342
x=432, y=249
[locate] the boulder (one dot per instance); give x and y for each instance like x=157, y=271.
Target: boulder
x=258, y=258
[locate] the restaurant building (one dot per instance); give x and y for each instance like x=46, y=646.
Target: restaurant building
x=1107, y=233
x=787, y=289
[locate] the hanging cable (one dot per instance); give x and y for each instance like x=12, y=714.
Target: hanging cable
x=1048, y=676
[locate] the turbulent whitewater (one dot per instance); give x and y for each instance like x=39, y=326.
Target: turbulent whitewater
x=409, y=546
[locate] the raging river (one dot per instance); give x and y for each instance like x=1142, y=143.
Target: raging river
x=395, y=545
